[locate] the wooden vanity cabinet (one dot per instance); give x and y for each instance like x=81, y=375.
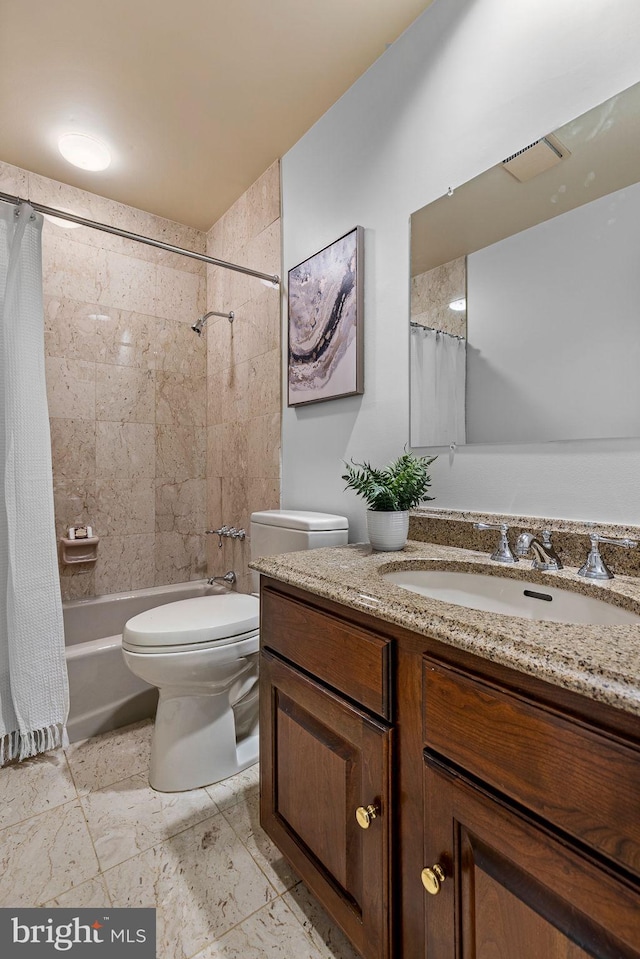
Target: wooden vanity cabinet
x=511, y=888
x=507, y=809
x=532, y=822
x=325, y=757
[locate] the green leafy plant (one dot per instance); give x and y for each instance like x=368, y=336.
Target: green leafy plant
x=399, y=486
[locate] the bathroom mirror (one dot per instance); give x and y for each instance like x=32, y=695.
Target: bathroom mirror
x=525, y=292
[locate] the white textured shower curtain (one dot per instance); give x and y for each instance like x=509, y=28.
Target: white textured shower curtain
x=438, y=386
x=33, y=677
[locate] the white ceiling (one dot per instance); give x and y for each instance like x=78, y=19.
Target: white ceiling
x=195, y=98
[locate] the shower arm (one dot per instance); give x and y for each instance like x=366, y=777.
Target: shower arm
x=198, y=326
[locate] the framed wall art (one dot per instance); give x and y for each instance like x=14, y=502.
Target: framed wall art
x=326, y=317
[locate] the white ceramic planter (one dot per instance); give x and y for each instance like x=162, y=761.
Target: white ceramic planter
x=387, y=531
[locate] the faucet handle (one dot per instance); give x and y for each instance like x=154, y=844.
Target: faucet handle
x=595, y=567
x=503, y=553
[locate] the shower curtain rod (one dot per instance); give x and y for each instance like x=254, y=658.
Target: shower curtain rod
x=432, y=329
x=138, y=238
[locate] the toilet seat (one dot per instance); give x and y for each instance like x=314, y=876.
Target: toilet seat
x=198, y=623
x=241, y=645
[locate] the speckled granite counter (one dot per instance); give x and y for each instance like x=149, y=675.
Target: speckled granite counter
x=601, y=662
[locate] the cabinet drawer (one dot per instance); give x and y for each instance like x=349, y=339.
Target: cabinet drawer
x=583, y=781
x=345, y=657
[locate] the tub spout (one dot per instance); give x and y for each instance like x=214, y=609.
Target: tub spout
x=229, y=578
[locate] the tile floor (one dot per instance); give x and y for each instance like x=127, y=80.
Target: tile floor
x=81, y=827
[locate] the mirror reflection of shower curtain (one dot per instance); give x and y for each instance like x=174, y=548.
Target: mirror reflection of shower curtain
x=33, y=675
x=438, y=385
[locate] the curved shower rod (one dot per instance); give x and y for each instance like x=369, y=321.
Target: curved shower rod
x=138, y=238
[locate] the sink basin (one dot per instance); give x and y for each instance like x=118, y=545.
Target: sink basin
x=512, y=597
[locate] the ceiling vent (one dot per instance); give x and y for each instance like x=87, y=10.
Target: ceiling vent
x=536, y=158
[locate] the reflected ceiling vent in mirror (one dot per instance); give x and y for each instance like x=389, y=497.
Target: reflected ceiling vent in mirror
x=536, y=158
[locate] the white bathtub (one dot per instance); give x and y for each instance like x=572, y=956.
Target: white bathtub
x=104, y=694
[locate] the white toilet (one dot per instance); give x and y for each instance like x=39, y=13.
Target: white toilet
x=202, y=654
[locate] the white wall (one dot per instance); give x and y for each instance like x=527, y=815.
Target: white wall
x=469, y=83
x=553, y=331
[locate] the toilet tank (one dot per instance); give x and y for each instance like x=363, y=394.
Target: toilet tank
x=285, y=531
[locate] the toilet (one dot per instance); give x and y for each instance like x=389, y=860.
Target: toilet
x=202, y=655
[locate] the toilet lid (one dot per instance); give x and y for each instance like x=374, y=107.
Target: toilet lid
x=201, y=619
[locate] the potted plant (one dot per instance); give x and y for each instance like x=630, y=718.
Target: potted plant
x=390, y=493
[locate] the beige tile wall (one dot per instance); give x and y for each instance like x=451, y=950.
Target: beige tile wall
x=126, y=381
x=432, y=292
x=243, y=372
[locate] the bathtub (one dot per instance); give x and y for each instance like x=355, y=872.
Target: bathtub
x=103, y=693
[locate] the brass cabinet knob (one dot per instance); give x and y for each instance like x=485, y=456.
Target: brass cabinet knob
x=365, y=815
x=433, y=878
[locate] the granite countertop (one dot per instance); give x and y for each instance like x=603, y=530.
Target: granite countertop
x=601, y=662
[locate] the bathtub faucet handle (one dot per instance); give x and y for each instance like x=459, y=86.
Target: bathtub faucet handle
x=223, y=531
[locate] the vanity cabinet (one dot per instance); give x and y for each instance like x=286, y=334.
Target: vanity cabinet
x=507, y=810
x=532, y=827
x=326, y=761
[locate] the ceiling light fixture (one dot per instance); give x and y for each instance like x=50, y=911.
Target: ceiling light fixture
x=458, y=305
x=84, y=151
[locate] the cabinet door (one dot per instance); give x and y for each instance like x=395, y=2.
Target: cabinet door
x=513, y=890
x=321, y=759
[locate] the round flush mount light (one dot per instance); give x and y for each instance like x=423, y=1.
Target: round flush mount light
x=84, y=151
x=458, y=305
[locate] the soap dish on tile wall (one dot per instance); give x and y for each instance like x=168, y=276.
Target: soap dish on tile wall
x=83, y=550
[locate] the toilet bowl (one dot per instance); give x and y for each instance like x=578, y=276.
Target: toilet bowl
x=202, y=655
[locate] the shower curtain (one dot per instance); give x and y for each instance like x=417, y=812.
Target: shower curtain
x=33, y=677
x=438, y=386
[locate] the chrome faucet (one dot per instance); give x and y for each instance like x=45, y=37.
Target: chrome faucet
x=595, y=567
x=544, y=554
x=229, y=578
x=503, y=552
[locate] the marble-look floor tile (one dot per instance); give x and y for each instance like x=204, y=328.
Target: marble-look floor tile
x=330, y=941
x=45, y=856
x=241, y=787
x=89, y=895
x=271, y=933
x=128, y=817
x=34, y=786
x=244, y=818
x=106, y=759
x=203, y=882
